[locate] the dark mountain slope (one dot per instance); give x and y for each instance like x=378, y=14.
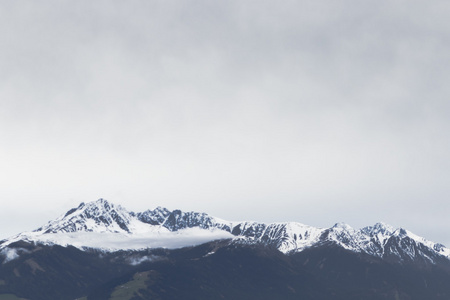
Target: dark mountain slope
x=233, y=272
x=257, y=272
x=55, y=272
x=218, y=270
x=348, y=275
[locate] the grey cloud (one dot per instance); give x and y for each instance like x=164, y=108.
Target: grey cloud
x=311, y=111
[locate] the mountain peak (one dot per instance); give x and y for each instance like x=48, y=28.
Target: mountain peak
x=101, y=203
x=379, y=228
x=342, y=226
x=95, y=216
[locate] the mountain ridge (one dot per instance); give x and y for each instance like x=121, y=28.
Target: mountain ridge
x=101, y=222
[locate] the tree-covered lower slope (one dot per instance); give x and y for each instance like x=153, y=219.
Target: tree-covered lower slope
x=243, y=272
x=217, y=270
x=56, y=272
x=347, y=275
x=232, y=272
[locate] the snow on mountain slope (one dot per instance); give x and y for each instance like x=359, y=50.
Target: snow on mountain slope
x=176, y=220
x=103, y=225
x=286, y=237
x=97, y=216
x=115, y=241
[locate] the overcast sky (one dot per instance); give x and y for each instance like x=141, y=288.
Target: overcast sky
x=310, y=111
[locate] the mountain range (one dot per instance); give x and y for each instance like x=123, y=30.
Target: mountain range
x=119, y=247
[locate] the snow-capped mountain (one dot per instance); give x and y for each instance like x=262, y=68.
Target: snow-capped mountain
x=103, y=225
x=384, y=241
x=109, y=227
x=177, y=220
x=98, y=216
